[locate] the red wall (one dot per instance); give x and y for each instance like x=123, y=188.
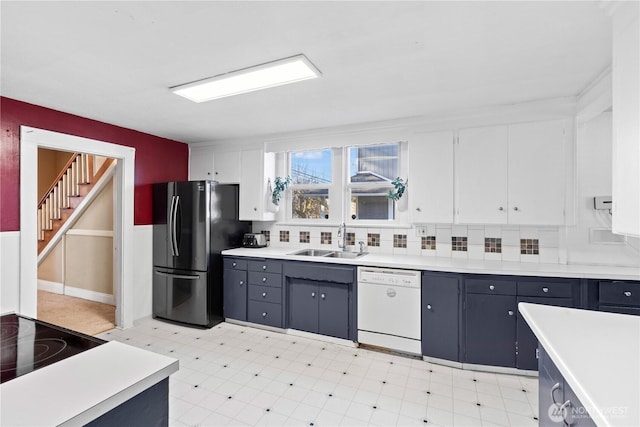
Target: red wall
x=157, y=159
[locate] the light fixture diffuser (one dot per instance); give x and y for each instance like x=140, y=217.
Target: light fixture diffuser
x=281, y=72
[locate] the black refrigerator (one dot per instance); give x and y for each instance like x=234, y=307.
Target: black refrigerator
x=193, y=221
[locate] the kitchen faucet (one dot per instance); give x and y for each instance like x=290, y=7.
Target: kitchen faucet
x=342, y=236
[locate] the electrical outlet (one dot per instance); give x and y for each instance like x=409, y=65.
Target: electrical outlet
x=421, y=230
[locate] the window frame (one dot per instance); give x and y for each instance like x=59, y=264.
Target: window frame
x=341, y=189
x=333, y=190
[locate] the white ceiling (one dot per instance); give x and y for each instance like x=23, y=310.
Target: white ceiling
x=114, y=61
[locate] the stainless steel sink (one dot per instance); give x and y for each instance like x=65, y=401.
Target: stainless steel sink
x=348, y=255
x=312, y=252
x=328, y=253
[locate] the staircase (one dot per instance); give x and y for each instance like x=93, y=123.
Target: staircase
x=69, y=189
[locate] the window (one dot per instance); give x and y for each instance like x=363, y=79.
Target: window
x=371, y=170
x=352, y=182
x=311, y=178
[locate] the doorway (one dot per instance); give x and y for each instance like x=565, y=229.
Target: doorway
x=75, y=250
x=30, y=140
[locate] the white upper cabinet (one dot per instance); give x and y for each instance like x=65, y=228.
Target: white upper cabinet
x=626, y=119
x=201, y=163
x=481, y=175
x=227, y=165
x=430, y=189
x=536, y=190
x=256, y=172
x=511, y=174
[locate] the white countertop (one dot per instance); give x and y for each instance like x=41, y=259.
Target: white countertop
x=417, y=262
x=82, y=387
x=598, y=354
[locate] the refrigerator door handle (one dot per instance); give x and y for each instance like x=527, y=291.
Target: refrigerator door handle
x=179, y=276
x=174, y=226
x=173, y=201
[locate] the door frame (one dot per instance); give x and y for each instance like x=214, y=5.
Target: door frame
x=30, y=140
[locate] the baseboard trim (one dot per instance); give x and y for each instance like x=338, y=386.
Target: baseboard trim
x=49, y=286
x=90, y=295
x=60, y=288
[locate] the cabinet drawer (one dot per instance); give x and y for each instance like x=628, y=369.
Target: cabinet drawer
x=620, y=293
x=267, y=279
x=545, y=289
x=489, y=286
x=265, y=293
x=235, y=263
x=265, y=266
x=265, y=313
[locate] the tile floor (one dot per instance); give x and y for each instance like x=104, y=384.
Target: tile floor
x=242, y=376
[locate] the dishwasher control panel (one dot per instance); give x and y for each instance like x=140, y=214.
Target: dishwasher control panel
x=389, y=276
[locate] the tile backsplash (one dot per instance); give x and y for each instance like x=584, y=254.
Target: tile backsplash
x=488, y=242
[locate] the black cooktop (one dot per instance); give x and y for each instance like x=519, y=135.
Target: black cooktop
x=29, y=344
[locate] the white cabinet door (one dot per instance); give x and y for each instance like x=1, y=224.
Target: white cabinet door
x=227, y=167
x=626, y=119
x=200, y=163
x=256, y=170
x=430, y=188
x=481, y=175
x=536, y=173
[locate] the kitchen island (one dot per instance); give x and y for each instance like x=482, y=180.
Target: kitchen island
x=112, y=384
x=596, y=358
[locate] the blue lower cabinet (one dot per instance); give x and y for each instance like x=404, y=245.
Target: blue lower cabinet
x=557, y=403
x=265, y=313
x=491, y=329
x=303, y=305
x=526, y=341
x=234, y=294
x=321, y=308
x=333, y=310
x=320, y=298
x=440, y=316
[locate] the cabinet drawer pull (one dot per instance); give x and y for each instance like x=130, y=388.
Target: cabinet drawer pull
x=516, y=208
x=241, y=282
x=322, y=296
x=264, y=279
x=510, y=312
x=491, y=287
x=264, y=267
x=545, y=289
x=418, y=210
x=555, y=388
x=234, y=264
x=264, y=314
x=264, y=294
x=500, y=208
x=627, y=293
x=428, y=306
x=313, y=294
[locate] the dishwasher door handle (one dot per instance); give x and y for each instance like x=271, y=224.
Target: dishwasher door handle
x=391, y=293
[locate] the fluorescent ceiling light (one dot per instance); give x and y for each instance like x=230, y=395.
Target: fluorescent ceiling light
x=289, y=70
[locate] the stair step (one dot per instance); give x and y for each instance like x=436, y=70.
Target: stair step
x=74, y=201
x=84, y=188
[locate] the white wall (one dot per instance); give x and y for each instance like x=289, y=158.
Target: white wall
x=10, y=272
x=593, y=160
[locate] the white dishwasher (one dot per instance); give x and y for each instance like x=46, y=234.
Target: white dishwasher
x=389, y=308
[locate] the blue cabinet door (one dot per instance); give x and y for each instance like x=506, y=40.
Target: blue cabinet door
x=491, y=329
x=303, y=305
x=235, y=294
x=333, y=310
x=527, y=343
x=440, y=316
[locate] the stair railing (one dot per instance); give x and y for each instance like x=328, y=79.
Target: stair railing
x=78, y=170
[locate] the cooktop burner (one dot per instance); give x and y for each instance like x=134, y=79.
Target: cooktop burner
x=29, y=344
